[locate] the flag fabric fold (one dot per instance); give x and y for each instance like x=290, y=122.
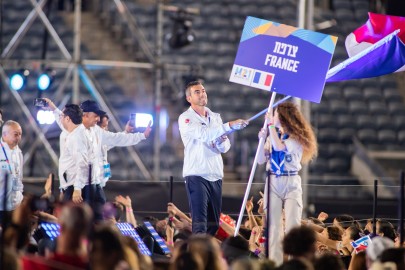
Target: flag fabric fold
x=376, y=48
x=384, y=57
x=377, y=27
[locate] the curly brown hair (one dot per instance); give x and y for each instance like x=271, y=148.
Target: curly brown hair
x=297, y=127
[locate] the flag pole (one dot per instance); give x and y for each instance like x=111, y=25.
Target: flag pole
x=252, y=172
x=265, y=110
x=254, y=117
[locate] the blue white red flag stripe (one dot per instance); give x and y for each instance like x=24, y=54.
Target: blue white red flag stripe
x=384, y=57
x=262, y=80
x=375, y=48
x=377, y=27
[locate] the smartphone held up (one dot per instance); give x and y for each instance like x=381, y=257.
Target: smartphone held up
x=40, y=102
x=140, y=121
x=132, y=119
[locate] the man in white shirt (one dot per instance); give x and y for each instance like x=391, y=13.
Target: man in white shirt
x=96, y=137
x=106, y=170
x=76, y=154
x=11, y=162
x=100, y=137
x=103, y=123
x=203, y=134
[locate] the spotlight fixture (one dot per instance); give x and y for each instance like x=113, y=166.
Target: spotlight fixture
x=181, y=34
x=45, y=80
x=19, y=79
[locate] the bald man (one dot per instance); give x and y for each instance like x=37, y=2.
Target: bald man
x=11, y=162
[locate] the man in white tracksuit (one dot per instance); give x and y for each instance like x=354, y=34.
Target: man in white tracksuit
x=203, y=134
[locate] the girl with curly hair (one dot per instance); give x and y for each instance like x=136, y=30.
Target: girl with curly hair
x=290, y=142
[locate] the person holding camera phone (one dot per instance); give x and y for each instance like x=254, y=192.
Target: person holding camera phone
x=11, y=163
x=76, y=152
x=96, y=137
x=103, y=123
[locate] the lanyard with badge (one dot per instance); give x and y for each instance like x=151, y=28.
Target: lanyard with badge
x=7, y=160
x=95, y=145
x=16, y=184
x=106, y=165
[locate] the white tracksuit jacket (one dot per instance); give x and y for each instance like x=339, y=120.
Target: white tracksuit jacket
x=202, y=154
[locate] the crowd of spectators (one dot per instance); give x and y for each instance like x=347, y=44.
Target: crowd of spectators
x=83, y=243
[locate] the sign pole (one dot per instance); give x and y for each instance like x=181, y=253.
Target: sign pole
x=252, y=172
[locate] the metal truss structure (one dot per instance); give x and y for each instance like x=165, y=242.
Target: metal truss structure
x=78, y=69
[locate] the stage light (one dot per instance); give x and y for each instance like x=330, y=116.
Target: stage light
x=18, y=80
x=142, y=120
x=45, y=80
x=181, y=34
x=45, y=117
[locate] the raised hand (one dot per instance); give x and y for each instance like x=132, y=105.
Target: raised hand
x=50, y=104
x=270, y=117
x=124, y=201
x=129, y=128
x=148, y=130
x=262, y=133
x=323, y=216
x=261, y=206
x=172, y=209
x=249, y=205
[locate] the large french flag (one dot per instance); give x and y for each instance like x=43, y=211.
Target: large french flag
x=376, y=48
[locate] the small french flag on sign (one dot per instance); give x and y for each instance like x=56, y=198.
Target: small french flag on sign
x=262, y=80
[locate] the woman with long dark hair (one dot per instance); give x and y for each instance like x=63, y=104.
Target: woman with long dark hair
x=290, y=142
